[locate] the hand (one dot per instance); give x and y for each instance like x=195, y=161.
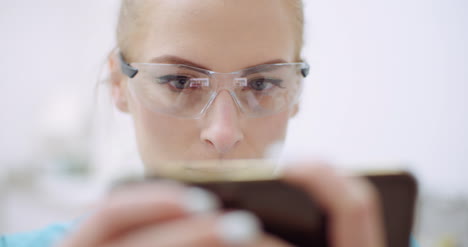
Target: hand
x=167, y=215
x=351, y=203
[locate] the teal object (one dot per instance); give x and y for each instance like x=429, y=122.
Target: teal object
x=52, y=234
x=414, y=243
x=46, y=237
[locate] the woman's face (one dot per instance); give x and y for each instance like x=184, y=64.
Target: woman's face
x=222, y=36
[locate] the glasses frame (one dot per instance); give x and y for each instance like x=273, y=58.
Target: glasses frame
x=131, y=72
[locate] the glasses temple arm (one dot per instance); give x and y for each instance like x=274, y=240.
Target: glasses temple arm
x=126, y=68
x=305, y=70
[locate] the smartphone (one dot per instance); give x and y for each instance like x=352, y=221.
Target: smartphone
x=290, y=214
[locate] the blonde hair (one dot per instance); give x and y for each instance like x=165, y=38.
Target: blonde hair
x=132, y=11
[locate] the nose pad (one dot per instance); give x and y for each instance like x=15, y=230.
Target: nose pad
x=225, y=99
x=222, y=130
x=225, y=83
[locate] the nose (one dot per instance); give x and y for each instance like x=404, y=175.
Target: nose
x=222, y=130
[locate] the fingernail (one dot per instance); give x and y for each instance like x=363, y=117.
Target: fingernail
x=238, y=228
x=198, y=201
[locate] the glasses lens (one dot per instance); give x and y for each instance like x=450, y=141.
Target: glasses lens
x=270, y=89
x=185, y=91
x=172, y=89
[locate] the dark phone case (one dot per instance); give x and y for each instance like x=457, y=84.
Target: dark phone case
x=289, y=213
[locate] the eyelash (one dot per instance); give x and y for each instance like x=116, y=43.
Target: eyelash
x=168, y=78
x=273, y=82
x=276, y=82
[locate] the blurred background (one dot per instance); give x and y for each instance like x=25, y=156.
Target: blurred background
x=388, y=85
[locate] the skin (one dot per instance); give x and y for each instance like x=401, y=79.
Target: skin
x=224, y=37
x=187, y=29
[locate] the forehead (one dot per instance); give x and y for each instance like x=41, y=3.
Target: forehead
x=222, y=35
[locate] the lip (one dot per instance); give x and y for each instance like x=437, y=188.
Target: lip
x=232, y=170
x=214, y=170
x=223, y=164
x=218, y=170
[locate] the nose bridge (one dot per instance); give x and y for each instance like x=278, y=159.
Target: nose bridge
x=222, y=128
x=224, y=80
x=224, y=103
x=224, y=106
x=225, y=83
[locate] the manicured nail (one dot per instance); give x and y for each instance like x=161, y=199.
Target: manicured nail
x=238, y=228
x=198, y=201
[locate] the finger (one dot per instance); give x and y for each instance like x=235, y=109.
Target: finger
x=269, y=241
x=140, y=205
x=351, y=204
x=238, y=228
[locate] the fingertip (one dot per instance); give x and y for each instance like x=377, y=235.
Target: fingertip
x=239, y=228
x=199, y=201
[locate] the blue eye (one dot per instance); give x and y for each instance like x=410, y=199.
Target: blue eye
x=261, y=84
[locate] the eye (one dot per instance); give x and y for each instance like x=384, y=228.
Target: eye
x=176, y=81
x=262, y=84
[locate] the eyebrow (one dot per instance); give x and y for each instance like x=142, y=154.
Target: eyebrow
x=260, y=68
x=170, y=59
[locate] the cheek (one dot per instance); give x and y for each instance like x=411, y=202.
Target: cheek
x=161, y=137
x=268, y=131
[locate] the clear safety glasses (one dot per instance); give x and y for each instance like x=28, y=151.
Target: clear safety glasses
x=187, y=92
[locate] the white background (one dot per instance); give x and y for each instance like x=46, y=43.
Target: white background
x=388, y=82
x=389, y=79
